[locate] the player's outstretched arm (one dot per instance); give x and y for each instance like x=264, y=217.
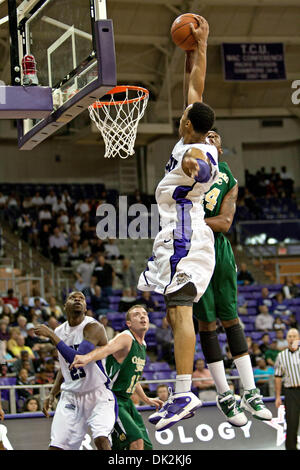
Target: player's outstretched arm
x=149, y=401
x=119, y=344
x=223, y=221
x=196, y=62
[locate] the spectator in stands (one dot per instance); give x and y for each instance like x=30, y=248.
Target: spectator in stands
x=265, y=343
x=244, y=277
x=24, y=224
x=73, y=252
x=264, y=321
x=271, y=353
x=280, y=305
x=104, y=274
x=12, y=342
x=110, y=332
x=40, y=310
x=291, y=322
x=22, y=379
x=84, y=273
x=51, y=199
x=98, y=246
x=40, y=362
x=162, y=392
x=21, y=322
x=57, y=244
x=54, y=309
x=16, y=350
x=44, y=214
x=126, y=301
x=44, y=236
x=37, y=201
x=46, y=373
x=128, y=276
x=266, y=298
x=4, y=333
x=111, y=249
x=33, y=341
x=3, y=200
x=146, y=299
x=99, y=302
x=201, y=372
x=262, y=377
x=36, y=293
x=242, y=304
x=279, y=324
x=11, y=299
x=54, y=356
x=24, y=362
x=290, y=289
x=31, y=405
x=165, y=342
x=59, y=205
x=281, y=341
x=85, y=249
x=256, y=354
x=24, y=307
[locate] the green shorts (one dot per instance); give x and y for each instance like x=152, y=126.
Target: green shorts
x=220, y=298
x=129, y=427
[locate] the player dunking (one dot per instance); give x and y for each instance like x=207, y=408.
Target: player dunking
x=124, y=358
x=220, y=300
x=86, y=401
x=183, y=251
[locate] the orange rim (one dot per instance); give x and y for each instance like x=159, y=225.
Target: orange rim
x=122, y=89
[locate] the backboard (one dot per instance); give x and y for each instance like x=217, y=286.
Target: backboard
x=73, y=46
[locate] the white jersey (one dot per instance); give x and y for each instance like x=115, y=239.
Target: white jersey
x=177, y=189
x=81, y=380
x=183, y=251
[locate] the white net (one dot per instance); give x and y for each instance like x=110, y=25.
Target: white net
x=118, y=119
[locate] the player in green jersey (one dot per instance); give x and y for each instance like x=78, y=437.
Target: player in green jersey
x=124, y=358
x=220, y=300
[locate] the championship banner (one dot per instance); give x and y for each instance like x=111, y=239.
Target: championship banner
x=207, y=430
x=253, y=61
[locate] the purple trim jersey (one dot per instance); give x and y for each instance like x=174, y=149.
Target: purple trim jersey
x=183, y=250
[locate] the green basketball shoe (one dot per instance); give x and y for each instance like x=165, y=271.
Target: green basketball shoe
x=252, y=402
x=227, y=404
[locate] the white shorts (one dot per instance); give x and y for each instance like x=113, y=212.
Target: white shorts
x=76, y=412
x=175, y=263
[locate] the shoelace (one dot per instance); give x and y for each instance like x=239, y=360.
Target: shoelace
x=169, y=401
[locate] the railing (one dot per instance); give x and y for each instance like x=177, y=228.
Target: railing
x=14, y=282
x=279, y=274
x=42, y=394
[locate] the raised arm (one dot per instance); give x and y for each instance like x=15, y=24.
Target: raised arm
x=222, y=222
x=196, y=62
x=120, y=345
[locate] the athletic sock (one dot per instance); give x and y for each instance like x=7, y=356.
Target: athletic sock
x=183, y=383
x=244, y=367
x=217, y=371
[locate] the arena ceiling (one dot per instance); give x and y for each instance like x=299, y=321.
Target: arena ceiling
x=147, y=56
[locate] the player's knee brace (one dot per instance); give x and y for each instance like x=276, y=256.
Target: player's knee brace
x=236, y=340
x=210, y=346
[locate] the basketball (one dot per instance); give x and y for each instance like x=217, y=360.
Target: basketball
x=181, y=31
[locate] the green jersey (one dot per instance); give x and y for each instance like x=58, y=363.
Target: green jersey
x=214, y=197
x=125, y=376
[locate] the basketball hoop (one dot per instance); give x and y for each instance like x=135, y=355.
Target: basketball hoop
x=118, y=119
